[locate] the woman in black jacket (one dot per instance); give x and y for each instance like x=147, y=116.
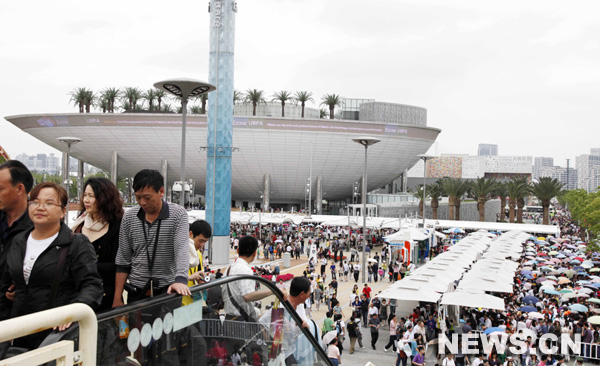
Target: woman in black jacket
x=100, y=220
x=33, y=264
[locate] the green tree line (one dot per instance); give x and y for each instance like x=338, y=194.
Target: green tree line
x=131, y=99
x=483, y=189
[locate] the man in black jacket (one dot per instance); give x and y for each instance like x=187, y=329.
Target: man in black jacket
x=15, y=183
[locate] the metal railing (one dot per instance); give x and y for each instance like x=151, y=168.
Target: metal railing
x=63, y=351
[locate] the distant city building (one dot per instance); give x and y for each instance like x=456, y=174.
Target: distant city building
x=43, y=163
x=595, y=151
x=501, y=167
x=445, y=166
x=487, y=150
x=588, y=172
x=475, y=166
x=539, y=163
x=560, y=174
x=51, y=164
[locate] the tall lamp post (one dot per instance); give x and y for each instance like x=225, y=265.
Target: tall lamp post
x=184, y=89
x=365, y=141
x=69, y=140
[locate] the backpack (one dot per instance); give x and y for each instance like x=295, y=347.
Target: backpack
x=338, y=327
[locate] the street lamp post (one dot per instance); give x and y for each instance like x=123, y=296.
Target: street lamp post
x=184, y=89
x=69, y=140
x=365, y=141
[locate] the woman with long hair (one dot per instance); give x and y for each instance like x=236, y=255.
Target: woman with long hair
x=48, y=264
x=100, y=220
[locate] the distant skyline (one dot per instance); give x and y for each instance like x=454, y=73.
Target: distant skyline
x=522, y=75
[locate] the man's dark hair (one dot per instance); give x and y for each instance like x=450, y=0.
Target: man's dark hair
x=201, y=227
x=299, y=285
x=247, y=246
x=18, y=174
x=148, y=178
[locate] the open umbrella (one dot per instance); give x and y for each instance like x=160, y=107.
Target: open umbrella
x=329, y=336
x=594, y=319
x=554, y=252
x=541, y=279
x=563, y=280
x=530, y=300
x=525, y=272
x=552, y=292
x=578, y=308
x=535, y=315
x=566, y=291
x=493, y=330
x=594, y=301
x=527, y=309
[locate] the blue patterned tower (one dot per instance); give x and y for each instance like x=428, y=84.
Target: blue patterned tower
x=220, y=127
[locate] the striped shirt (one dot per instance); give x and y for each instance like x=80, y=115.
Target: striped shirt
x=171, y=262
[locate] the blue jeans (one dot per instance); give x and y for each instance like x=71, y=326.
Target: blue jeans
x=334, y=361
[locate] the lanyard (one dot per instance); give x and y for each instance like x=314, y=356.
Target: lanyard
x=151, y=261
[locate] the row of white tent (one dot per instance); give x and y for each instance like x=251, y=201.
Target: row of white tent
x=478, y=262
x=259, y=218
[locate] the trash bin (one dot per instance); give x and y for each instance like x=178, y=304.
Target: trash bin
x=287, y=259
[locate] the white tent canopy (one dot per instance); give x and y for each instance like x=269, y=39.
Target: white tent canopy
x=473, y=300
x=410, y=294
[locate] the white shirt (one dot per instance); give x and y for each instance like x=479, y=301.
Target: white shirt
x=33, y=251
x=238, y=288
x=448, y=362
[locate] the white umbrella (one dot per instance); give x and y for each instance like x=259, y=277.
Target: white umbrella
x=329, y=336
x=535, y=315
x=371, y=260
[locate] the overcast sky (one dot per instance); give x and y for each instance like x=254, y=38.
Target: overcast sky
x=521, y=74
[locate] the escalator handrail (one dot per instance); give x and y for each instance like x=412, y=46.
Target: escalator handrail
x=205, y=286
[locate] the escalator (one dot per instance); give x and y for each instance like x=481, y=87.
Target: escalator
x=163, y=331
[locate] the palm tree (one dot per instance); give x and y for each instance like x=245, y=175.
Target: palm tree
x=521, y=198
x=110, y=95
x=545, y=189
x=483, y=190
x=302, y=97
x=463, y=187
x=418, y=193
x=282, y=96
x=435, y=193
x=131, y=96
x=238, y=96
x=78, y=98
x=160, y=95
x=255, y=97
x=196, y=109
x=455, y=189
x=322, y=113
x=166, y=108
x=150, y=96
x=502, y=192
x=88, y=100
x=517, y=189
x=331, y=101
x=103, y=104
